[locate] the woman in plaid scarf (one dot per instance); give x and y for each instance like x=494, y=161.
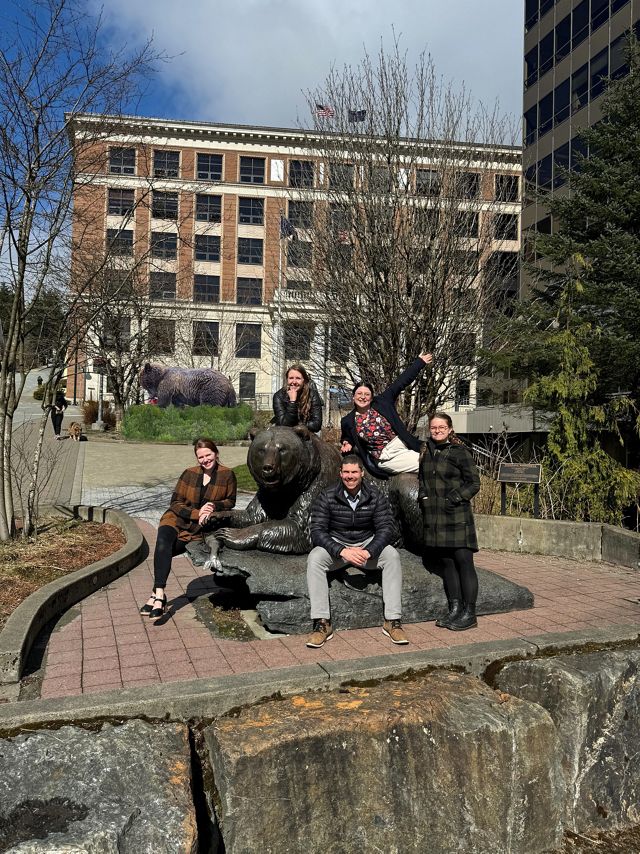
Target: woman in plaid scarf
x=200, y=492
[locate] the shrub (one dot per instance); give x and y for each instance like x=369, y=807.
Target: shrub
x=90, y=413
x=154, y=424
x=38, y=392
x=262, y=418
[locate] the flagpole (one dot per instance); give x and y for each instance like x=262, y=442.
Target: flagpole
x=280, y=336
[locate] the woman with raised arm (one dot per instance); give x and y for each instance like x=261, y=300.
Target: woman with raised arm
x=201, y=491
x=448, y=481
x=298, y=401
x=374, y=430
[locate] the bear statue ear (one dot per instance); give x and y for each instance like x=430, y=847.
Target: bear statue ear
x=302, y=431
x=253, y=433
x=147, y=366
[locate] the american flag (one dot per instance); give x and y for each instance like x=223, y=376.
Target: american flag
x=324, y=111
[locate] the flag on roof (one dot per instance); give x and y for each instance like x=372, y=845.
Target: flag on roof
x=286, y=229
x=324, y=111
x=356, y=115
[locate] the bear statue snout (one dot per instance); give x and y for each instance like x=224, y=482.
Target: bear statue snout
x=270, y=467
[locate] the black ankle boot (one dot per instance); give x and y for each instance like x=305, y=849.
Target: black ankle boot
x=455, y=610
x=466, y=620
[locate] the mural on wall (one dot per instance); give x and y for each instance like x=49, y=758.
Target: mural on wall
x=187, y=386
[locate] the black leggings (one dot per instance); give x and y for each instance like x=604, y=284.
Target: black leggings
x=458, y=573
x=56, y=420
x=167, y=546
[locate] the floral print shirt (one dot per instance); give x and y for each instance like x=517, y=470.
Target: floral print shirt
x=374, y=430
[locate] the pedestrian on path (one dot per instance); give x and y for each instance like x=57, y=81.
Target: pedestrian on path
x=448, y=480
x=200, y=492
x=57, y=412
x=352, y=525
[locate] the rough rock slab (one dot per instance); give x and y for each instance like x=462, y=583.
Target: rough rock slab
x=440, y=764
x=279, y=584
x=594, y=700
x=124, y=789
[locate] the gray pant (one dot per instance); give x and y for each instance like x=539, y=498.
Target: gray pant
x=319, y=562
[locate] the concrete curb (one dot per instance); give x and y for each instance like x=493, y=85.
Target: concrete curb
x=30, y=617
x=211, y=698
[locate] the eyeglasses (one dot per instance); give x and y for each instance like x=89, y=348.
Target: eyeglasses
x=439, y=429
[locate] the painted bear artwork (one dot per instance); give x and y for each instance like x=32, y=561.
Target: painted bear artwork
x=187, y=386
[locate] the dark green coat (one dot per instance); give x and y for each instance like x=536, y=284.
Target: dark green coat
x=448, y=480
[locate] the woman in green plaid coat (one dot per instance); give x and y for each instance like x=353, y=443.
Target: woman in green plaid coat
x=201, y=491
x=448, y=481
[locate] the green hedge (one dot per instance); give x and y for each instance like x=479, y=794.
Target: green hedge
x=150, y=423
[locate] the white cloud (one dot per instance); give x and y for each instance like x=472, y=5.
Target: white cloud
x=247, y=62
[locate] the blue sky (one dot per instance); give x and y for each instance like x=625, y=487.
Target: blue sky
x=249, y=61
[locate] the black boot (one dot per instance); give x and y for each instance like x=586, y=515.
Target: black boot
x=466, y=620
x=455, y=610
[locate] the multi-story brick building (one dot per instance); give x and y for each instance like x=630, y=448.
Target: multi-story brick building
x=199, y=208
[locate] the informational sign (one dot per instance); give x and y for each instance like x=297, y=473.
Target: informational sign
x=520, y=473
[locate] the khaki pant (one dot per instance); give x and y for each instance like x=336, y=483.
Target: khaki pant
x=396, y=458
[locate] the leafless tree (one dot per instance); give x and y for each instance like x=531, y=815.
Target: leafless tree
x=395, y=240
x=52, y=67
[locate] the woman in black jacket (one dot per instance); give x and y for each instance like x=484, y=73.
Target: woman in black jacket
x=298, y=401
x=57, y=413
x=374, y=430
x=448, y=481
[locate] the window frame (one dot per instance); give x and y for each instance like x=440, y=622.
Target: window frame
x=250, y=330
x=164, y=205
x=247, y=249
x=197, y=327
x=250, y=217
x=166, y=171
x=122, y=168
x=213, y=212
x=208, y=174
x=251, y=290
x=214, y=286
x=248, y=173
x=206, y=247
x=156, y=250
x=123, y=209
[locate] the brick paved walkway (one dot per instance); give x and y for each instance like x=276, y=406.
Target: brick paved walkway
x=104, y=643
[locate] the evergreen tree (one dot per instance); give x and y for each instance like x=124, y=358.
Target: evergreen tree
x=600, y=220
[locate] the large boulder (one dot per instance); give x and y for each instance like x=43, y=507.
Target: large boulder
x=440, y=764
x=279, y=584
x=123, y=790
x=594, y=700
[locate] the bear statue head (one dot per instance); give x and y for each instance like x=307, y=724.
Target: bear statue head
x=283, y=458
x=150, y=377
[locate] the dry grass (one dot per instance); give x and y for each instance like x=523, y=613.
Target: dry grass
x=60, y=548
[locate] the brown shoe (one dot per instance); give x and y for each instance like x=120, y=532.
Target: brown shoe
x=322, y=632
x=393, y=629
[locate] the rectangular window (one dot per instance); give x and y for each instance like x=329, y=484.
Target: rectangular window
x=546, y=6
x=560, y=163
x=119, y=241
x=298, y=284
x=300, y=214
x=341, y=176
x=116, y=333
x=619, y=63
x=531, y=67
x=206, y=338
x=599, y=71
x=563, y=38
x=121, y=202
x=162, y=285
x=465, y=264
x=248, y=340
x=339, y=341
x=340, y=220
x=545, y=167
x=545, y=114
x=578, y=152
x=251, y=211
x=507, y=188
x=579, y=88
x=599, y=13
x=249, y=250
x=561, y=101
x=122, y=161
x=299, y=253
x=546, y=54
x=162, y=336
x=505, y=227
x=209, y=167
x=502, y=269
x=617, y=4
x=301, y=173
x=164, y=205
x=206, y=288
x=380, y=178
x=207, y=247
x=252, y=170
x=463, y=393
x=297, y=341
x=531, y=125
x=208, y=208
x=579, y=23
x=249, y=291
x=247, y=385
x=164, y=245
x=166, y=164
x=468, y=185
x=530, y=13
x=427, y=182
x=467, y=224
